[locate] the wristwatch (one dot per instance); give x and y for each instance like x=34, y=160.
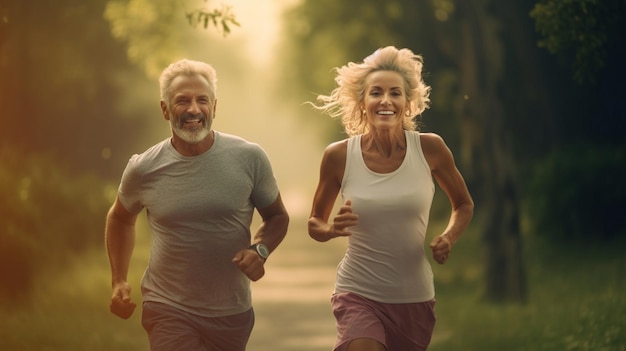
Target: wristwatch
x=262, y=250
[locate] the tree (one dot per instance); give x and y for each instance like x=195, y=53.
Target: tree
x=60, y=70
x=586, y=36
x=585, y=33
x=489, y=140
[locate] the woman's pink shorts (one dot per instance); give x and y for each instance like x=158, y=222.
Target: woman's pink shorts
x=406, y=326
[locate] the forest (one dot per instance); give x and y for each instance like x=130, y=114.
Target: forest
x=528, y=94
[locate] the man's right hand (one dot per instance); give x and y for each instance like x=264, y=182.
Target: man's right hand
x=121, y=304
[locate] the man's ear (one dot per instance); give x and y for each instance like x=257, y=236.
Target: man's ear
x=166, y=114
x=214, y=108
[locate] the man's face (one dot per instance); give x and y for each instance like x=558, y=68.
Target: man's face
x=190, y=108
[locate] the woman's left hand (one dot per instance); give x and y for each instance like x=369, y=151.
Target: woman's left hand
x=441, y=247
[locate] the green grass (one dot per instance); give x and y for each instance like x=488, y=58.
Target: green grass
x=576, y=302
x=69, y=312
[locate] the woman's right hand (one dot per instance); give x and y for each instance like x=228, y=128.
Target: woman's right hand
x=344, y=219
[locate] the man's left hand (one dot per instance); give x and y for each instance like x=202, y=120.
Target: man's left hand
x=250, y=263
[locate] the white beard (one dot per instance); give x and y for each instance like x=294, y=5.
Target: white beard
x=190, y=136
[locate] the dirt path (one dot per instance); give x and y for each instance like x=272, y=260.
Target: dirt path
x=292, y=302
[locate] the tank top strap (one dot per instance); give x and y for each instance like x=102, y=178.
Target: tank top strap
x=414, y=143
x=353, y=154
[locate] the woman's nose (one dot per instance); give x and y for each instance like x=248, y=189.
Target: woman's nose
x=385, y=99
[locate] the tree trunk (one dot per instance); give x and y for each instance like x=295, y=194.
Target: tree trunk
x=488, y=149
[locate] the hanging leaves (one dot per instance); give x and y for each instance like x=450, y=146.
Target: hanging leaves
x=221, y=18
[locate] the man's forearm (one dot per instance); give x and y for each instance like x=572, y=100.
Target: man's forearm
x=273, y=231
x=120, y=242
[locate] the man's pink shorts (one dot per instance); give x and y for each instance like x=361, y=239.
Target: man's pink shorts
x=406, y=326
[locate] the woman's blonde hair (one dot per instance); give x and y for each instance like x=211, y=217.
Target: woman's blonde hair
x=346, y=99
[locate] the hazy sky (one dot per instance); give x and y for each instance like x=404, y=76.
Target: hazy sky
x=260, y=24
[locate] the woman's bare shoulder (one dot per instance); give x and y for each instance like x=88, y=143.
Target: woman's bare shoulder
x=435, y=150
x=341, y=144
x=334, y=162
x=337, y=150
x=432, y=141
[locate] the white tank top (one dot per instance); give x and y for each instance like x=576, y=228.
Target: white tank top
x=385, y=260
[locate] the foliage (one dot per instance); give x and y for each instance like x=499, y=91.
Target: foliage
x=63, y=80
x=577, y=194
x=158, y=32
x=221, y=18
x=146, y=27
x=583, y=32
x=576, y=303
x=47, y=216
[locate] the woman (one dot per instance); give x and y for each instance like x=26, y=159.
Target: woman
x=384, y=293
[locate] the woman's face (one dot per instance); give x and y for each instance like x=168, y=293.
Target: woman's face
x=385, y=100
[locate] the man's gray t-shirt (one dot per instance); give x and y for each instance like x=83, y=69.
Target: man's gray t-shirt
x=199, y=209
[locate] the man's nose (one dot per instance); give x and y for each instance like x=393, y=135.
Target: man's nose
x=194, y=107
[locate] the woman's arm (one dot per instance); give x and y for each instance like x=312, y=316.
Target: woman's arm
x=445, y=172
x=331, y=175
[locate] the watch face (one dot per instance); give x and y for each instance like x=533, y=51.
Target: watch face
x=262, y=250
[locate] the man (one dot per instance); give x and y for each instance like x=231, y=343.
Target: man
x=200, y=189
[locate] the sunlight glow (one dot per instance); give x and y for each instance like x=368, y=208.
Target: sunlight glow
x=259, y=25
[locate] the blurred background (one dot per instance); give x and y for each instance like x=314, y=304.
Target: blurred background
x=528, y=94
